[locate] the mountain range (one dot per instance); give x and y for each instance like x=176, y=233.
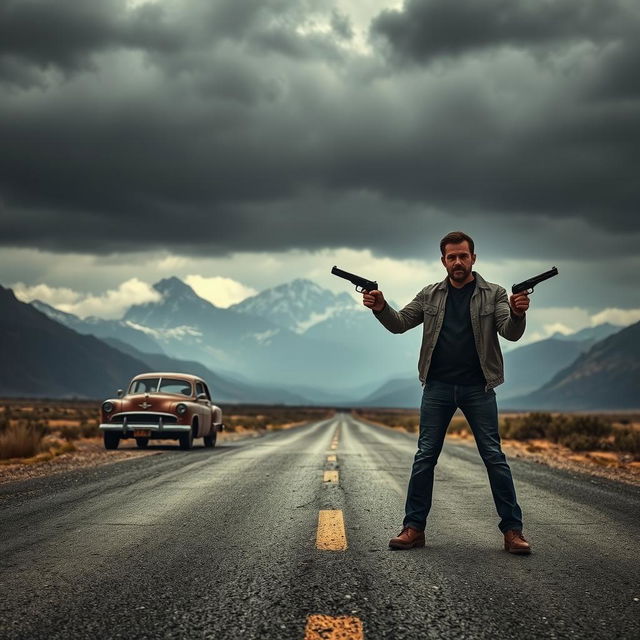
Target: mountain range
x=284, y=348
x=298, y=344
x=41, y=357
x=606, y=377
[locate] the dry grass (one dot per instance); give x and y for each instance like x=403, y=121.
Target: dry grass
x=20, y=441
x=43, y=456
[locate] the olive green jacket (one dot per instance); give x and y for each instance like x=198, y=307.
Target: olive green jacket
x=490, y=315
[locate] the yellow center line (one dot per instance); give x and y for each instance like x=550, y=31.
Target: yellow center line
x=331, y=535
x=331, y=476
x=321, y=627
x=332, y=458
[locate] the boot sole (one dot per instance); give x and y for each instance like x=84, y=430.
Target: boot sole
x=404, y=547
x=519, y=552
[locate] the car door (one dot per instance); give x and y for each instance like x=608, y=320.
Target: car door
x=204, y=408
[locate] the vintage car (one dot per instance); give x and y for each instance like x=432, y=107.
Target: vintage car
x=160, y=406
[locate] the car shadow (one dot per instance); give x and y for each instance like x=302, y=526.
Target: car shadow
x=167, y=446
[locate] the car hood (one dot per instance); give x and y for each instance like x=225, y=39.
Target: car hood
x=151, y=402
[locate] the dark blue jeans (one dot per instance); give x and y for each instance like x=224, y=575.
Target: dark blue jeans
x=439, y=402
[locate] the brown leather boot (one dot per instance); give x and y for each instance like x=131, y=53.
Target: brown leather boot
x=407, y=539
x=514, y=542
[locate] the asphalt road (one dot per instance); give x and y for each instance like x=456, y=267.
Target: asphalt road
x=223, y=544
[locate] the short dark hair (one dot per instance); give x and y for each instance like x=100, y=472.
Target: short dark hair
x=456, y=237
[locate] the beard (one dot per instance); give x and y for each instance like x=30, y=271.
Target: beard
x=459, y=274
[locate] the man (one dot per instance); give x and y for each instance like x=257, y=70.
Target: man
x=460, y=364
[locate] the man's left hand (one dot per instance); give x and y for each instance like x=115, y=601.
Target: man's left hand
x=519, y=303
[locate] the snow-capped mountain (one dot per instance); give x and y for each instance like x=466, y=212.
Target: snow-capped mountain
x=189, y=327
x=296, y=305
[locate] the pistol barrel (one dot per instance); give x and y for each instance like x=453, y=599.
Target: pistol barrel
x=362, y=283
x=529, y=284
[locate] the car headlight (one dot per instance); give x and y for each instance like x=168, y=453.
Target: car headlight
x=181, y=409
x=107, y=407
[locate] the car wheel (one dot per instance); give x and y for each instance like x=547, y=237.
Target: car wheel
x=142, y=443
x=210, y=440
x=111, y=439
x=186, y=439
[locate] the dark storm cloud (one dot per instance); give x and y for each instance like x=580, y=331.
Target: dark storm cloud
x=241, y=126
x=427, y=29
x=65, y=34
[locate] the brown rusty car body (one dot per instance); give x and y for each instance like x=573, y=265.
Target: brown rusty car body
x=161, y=405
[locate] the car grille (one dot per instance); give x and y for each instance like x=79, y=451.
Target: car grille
x=143, y=418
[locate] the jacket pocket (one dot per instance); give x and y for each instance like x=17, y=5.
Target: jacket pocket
x=488, y=309
x=430, y=310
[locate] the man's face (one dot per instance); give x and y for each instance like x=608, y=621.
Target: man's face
x=458, y=261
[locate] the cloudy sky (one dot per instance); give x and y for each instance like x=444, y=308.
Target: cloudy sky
x=241, y=144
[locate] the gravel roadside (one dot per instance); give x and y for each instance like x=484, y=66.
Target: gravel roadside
x=90, y=452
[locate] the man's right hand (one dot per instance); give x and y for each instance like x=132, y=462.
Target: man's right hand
x=374, y=300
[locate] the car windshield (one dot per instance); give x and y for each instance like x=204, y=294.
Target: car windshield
x=175, y=385
x=144, y=385
x=164, y=385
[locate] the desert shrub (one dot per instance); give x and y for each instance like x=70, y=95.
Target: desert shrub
x=89, y=428
x=249, y=422
x=560, y=427
x=628, y=440
x=40, y=426
x=537, y=424
x=256, y=422
x=580, y=441
x=591, y=426
x=533, y=425
x=412, y=426
x=68, y=431
x=508, y=427
x=20, y=441
x=85, y=429
x=410, y=423
x=580, y=433
x=459, y=425
x=5, y=417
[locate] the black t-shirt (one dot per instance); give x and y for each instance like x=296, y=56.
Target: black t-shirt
x=455, y=357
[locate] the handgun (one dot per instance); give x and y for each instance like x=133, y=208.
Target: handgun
x=529, y=284
x=364, y=284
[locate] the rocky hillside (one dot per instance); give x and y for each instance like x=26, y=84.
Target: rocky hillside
x=41, y=357
x=606, y=377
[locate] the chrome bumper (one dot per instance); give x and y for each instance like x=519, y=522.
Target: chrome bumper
x=155, y=427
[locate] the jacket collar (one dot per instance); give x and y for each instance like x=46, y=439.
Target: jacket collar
x=481, y=283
